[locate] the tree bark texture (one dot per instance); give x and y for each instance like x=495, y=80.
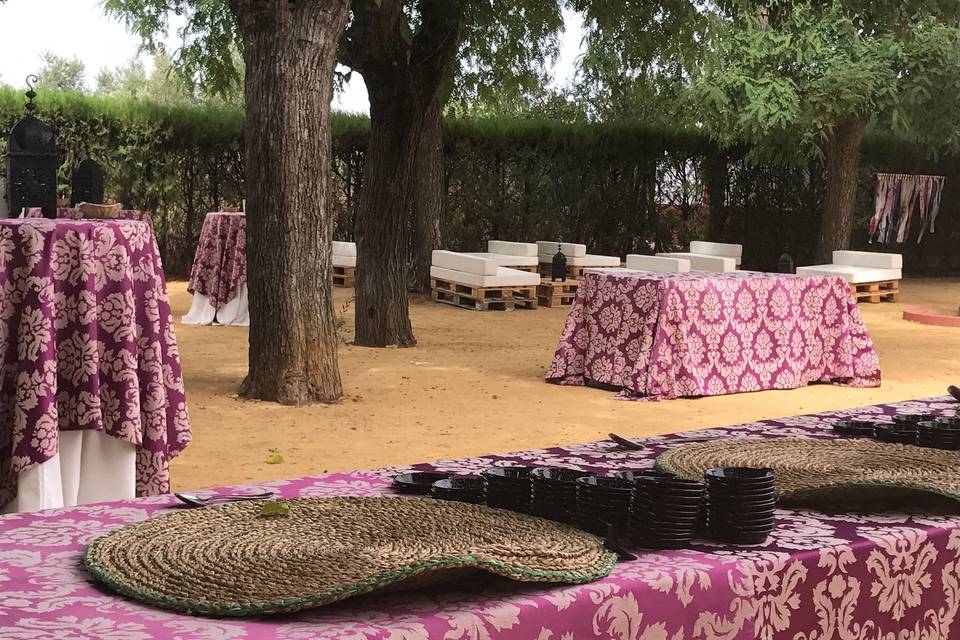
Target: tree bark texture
x=289, y=49
x=842, y=171
x=403, y=75
x=428, y=201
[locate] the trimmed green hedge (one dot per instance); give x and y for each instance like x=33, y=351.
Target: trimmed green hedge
x=619, y=187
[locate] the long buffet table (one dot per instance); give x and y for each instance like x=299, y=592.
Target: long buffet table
x=670, y=335
x=819, y=576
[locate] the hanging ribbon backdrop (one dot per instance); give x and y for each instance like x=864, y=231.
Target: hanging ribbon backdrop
x=899, y=197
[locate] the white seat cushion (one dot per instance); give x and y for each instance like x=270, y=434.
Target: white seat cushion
x=504, y=277
x=869, y=259
x=657, y=264
x=507, y=260
x=851, y=273
x=610, y=270
x=569, y=249
x=344, y=248
x=344, y=261
x=700, y=262
x=527, y=249
x=464, y=262
x=722, y=249
x=585, y=261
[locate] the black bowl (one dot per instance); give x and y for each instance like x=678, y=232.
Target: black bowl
x=906, y=418
x=418, y=482
x=557, y=475
x=895, y=435
x=508, y=474
x=739, y=475
x=632, y=475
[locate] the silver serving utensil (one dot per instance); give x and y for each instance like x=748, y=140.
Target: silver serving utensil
x=196, y=501
x=955, y=392
x=635, y=446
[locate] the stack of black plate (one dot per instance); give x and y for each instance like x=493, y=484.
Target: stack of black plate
x=664, y=511
x=461, y=489
x=900, y=433
x=908, y=418
x=855, y=428
x=554, y=493
x=418, y=483
x=742, y=504
x=940, y=433
x=507, y=488
x=602, y=502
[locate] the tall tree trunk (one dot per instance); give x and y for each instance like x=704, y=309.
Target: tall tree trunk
x=716, y=197
x=383, y=220
x=289, y=49
x=842, y=170
x=428, y=201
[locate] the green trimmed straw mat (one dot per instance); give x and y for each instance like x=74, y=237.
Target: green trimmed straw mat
x=807, y=468
x=231, y=560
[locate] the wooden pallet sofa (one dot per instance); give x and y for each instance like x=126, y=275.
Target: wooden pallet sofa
x=658, y=264
x=701, y=262
x=515, y=255
x=470, y=282
x=344, y=263
x=873, y=277
x=719, y=249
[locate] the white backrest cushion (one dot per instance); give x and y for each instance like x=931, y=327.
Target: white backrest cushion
x=463, y=262
x=344, y=248
x=659, y=264
x=547, y=248
x=700, y=262
x=528, y=249
x=716, y=249
x=869, y=259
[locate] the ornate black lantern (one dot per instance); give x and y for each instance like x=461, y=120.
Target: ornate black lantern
x=785, y=264
x=87, y=183
x=32, y=162
x=558, y=270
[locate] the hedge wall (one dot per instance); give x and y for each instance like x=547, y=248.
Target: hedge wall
x=618, y=188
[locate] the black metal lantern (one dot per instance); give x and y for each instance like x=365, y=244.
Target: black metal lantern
x=558, y=270
x=86, y=185
x=785, y=264
x=32, y=162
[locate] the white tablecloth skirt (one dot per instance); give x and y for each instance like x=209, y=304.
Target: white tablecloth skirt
x=235, y=313
x=90, y=467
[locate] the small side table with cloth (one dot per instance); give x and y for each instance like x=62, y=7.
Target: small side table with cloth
x=92, y=405
x=218, y=279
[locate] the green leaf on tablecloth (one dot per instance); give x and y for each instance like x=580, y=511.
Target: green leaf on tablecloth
x=274, y=508
x=274, y=458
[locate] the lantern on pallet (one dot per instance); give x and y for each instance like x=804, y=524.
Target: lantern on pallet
x=785, y=264
x=86, y=185
x=32, y=161
x=558, y=269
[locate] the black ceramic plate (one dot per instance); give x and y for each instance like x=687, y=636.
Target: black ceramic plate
x=557, y=475
x=740, y=492
x=507, y=474
x=911, y=418
x=857, y=428
x=417, y=483
x=632, y=475
x=744, y=475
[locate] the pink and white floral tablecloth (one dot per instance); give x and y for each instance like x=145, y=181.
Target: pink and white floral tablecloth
x=220, y=263
x=86, y=343
x=662, y=336
x=821, y=576
x=72, y=213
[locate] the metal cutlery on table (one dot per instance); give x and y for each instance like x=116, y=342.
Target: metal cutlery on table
x=955, y=392
x=197, y=501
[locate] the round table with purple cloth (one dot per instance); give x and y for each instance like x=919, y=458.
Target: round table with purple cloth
x=220, y=263
x=87, y=343
x=670, y=335
x=72, y=213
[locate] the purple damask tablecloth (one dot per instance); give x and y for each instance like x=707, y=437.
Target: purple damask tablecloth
x=821, y=576
x=72, y=213
x=87, y=343
x=662, y=336
x=220, y=263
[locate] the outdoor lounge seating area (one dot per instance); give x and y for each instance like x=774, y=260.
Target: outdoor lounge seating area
x=873, y=277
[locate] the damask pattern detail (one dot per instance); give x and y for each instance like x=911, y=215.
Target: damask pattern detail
x=220, y=264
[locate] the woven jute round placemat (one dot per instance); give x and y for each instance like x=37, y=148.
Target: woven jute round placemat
x=230, y=560
x=807, y=467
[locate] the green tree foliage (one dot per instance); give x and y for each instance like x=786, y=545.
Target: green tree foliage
x=781, y=78
x=61, y=74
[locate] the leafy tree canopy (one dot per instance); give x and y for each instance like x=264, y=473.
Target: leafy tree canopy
x=61, y=74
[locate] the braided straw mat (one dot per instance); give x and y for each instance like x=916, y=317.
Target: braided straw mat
x=806, y=468
x=229, y=560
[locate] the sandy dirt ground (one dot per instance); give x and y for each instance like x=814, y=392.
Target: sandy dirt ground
x=474, y=385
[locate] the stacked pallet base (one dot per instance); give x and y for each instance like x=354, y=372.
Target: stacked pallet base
x=484, y=298
x=344, y=276
x=557, y=293
x=874, y=292
x=573, y=273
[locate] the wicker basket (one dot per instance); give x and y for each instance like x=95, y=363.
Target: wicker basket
x=100, y=211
